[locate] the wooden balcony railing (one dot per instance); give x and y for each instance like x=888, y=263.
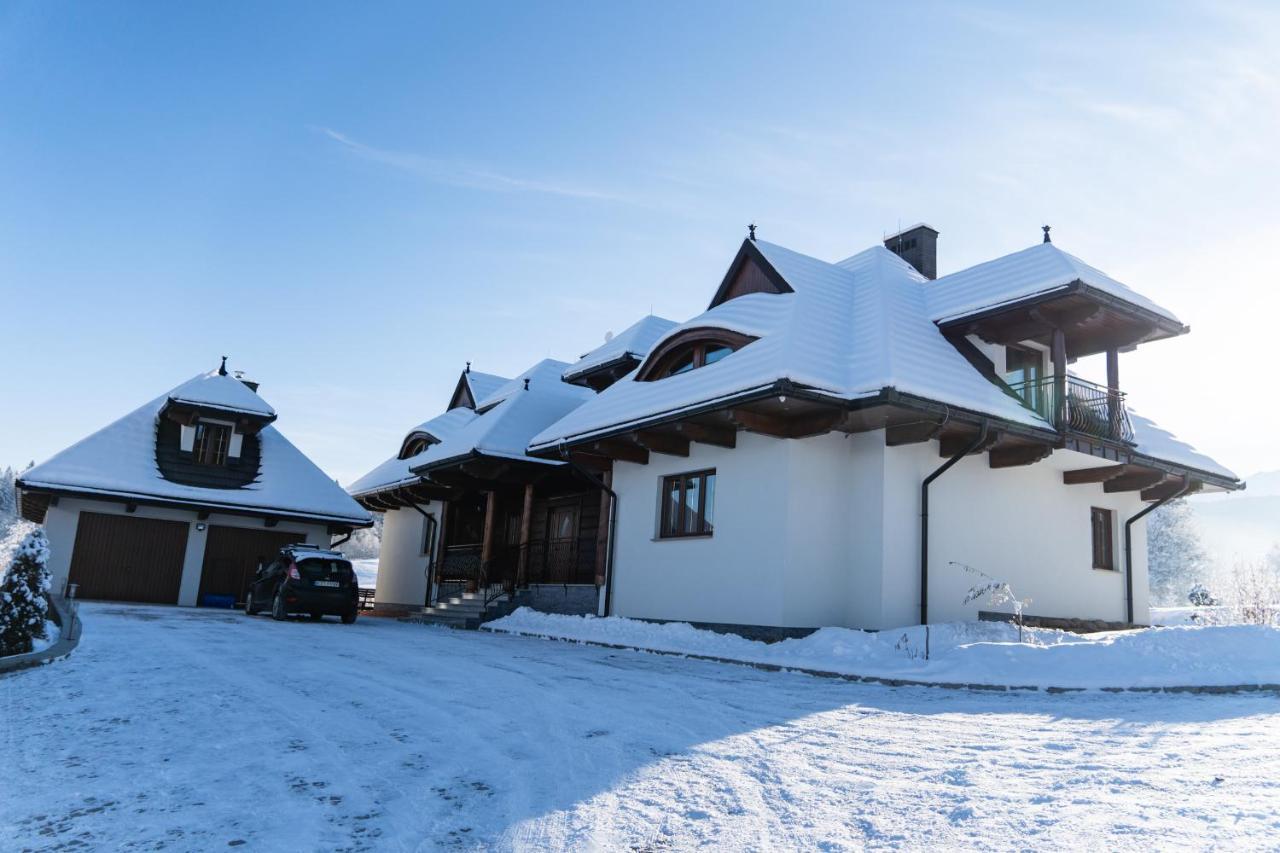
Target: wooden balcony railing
x=1088, y=408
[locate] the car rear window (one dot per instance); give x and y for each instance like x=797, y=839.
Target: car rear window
x=318, y=569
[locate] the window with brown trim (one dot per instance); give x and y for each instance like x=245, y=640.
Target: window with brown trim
x=688, y=505
x=1103, y=538
x=689, y=350
x=211, y=443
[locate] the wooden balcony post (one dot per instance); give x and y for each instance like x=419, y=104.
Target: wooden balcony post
x=526, y=520
x=490, y=523
x=1113, y=392
x=1059, y=379
x=602, y=530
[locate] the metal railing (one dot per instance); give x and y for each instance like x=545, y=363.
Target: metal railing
x=1087, y=408
x=546, y=562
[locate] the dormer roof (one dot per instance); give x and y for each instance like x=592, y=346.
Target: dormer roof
x=620, y=354
x=474, y=386
x=218, y=392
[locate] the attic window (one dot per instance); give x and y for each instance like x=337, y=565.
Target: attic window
x=211, y=443
x=690, y=350
x=415, y=444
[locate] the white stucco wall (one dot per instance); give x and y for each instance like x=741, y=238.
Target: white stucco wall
x=826, y=531
x=61, y=522
x=402, y=562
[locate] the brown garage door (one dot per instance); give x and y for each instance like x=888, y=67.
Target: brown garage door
x=125, y=558
x=232, y=554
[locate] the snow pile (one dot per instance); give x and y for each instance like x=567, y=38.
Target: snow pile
x=962, y=652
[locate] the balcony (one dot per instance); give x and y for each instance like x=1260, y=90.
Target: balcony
x=1087, y=408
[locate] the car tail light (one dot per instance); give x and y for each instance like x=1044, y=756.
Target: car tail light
x=293, y=572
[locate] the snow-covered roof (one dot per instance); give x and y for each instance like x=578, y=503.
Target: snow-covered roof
x=850, y=330
x=504, y=428
x=119, y=460
x=1159, y=443
x=636, y=341
x=214, y=390
x=1039, y=270
x=544, y=377
x=482, y=385
x=395, y=471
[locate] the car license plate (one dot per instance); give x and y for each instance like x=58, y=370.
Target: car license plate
x=327, y=583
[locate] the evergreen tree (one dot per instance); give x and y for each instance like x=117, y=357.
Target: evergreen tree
x=23, y=605
x=1176, y=560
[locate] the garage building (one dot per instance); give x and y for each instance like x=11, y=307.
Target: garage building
x=178, y=501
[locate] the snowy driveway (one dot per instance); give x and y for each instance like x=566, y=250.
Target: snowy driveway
x=188, y=729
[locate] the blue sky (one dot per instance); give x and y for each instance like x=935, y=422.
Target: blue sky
x=353, y=200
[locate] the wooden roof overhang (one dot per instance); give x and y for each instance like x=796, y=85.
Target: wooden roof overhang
x=477, y=471
x=34, y=501
x=1092, y=321
x=785, y=410
x=600, y=376
x=187, y=414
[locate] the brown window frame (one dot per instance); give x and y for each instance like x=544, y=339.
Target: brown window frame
x=692, y=343
x=1102, y=537
x=209, y=453
x=674, y=528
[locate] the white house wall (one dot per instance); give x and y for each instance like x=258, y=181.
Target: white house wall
x=402, y=562
x=62, y=520
x=826, y=531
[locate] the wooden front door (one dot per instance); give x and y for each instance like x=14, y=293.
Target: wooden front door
x=126, y=558
x=232, y=555
x=562, y=543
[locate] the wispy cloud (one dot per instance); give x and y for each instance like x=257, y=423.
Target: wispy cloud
x=458, y=174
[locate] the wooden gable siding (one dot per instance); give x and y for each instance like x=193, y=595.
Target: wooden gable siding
x=180, y=467
x=750, y=278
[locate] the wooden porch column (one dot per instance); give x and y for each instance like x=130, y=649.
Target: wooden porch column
x=486, y=543
x=526, y=522
x=1059, y=379
x=440, y=548
x=602, y=529
x=1113, y=392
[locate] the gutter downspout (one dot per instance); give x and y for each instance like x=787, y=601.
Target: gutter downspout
x=924, y=516
x=613, y=524
x=343, y=540
x=1128, y=545
x=431, y=544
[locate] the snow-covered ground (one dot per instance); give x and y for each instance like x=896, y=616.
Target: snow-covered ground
x=199, y=729
x=988, y=653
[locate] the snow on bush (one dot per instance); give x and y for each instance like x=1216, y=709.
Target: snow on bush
x=960, y=652
x=23, y=605
x=1176, y=559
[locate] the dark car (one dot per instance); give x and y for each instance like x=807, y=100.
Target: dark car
x=305, y=580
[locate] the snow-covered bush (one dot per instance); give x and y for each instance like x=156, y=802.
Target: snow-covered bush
x=996, y=592
x=1254, y=596
x=365, y=543
x=1176, y=559
x=1200, y=596
x=23, y=605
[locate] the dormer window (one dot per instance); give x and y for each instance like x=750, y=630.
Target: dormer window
x=689, y=350
x=211, y=443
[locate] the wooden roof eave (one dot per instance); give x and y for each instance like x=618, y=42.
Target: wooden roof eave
x=195, y=506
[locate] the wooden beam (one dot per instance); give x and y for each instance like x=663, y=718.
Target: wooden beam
x=1169, y=488
x=624, y=450
x=663, y=442
x=1095, y=475
x=796, y=427
x=490, y=528
x=912, y=433
x=1133, y=482
x=1012, y=457
x=1059, y=352
x=602, y=529
x=703, y=434
x=952, y=444
x=486, y=469
x=526, y=519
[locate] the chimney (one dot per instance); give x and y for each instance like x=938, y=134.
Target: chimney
x=918, y=246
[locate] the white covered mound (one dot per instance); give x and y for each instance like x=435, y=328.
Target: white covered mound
x=961, y=652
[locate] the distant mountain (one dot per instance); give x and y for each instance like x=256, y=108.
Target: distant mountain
x=1241, y=525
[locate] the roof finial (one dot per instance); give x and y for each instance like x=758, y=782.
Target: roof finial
x=751, y=232
x=526, y=383
x=468, y=370
x=222, y=371
x=1045, y=229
